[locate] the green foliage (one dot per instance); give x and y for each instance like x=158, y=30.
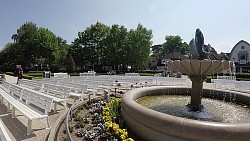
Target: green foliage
x=70, y=64
x=146, y=74
x=157, y=50
x=71, y=129
x=25, y=76
x=26, y=39
x=112, y=46
x=35, y=72
x=33, y=45
x=74, y=74
x=39, y=74
x=88, y=48
x=46, y=46
x=174, y=44
x=9, y=73
x=10, y=56
x=80, y=124
x=115, y=112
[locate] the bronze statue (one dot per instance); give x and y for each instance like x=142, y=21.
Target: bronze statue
x=196, y=46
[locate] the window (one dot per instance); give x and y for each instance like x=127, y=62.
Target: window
x=242, y=47
x=243, y=57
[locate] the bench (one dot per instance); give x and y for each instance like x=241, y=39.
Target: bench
x=3, y=134
x=132, y=74
x=87, y=74
x=242, y=86
x=76, y=90
x=30, y=104
x=55, y=99
x=57, y=91
x=34, y=85
x=61, y=75
x=5, y=86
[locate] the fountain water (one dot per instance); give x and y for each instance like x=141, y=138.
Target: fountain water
x=153, y=125
x=197, y=70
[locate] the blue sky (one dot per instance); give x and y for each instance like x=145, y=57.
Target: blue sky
x=223, y=22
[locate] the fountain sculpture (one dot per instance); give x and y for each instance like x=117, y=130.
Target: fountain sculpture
x=156, y=126
x=198, y=68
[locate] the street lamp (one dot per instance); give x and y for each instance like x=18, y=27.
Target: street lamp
x=164, y=62
x=36, y=65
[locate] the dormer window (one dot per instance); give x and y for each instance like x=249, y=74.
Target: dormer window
x=243, y=57
x=242, y=47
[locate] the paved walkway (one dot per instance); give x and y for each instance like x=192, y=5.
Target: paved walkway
x=17, y=127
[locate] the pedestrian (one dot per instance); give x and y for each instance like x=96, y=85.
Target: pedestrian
x=19, y=73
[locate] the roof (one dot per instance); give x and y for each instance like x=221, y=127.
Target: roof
x=214, y=55
x=175, y=56
x=243, y=52
x=241, y=41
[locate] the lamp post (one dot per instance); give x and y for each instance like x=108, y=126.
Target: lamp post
x=164, y=62
x=36, y=65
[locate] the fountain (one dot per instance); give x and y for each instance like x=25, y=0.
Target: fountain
x=153, y=125
x=198, y=68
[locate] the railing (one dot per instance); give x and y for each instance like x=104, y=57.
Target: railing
x=67, y=124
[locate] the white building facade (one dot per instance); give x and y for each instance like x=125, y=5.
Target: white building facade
x=240, y=55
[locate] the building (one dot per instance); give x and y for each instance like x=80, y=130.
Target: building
x=213, y=55
x=171, y=56
x=240, y=56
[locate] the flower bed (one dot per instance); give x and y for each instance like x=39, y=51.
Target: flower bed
x=97, y=121
x=113, y=121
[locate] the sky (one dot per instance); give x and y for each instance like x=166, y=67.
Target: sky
x=222, y=22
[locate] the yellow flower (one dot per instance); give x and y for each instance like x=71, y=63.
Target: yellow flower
x=129, y=139
x=115, y=127
x=123, y=137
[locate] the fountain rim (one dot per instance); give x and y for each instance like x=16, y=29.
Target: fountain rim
x=130, y=100
x=205, y=66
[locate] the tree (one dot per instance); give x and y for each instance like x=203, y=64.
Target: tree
x=39, y=46
x=156, y=50
x=15, y=38
x=90, y=44
x=139, y=41
x=25, y=35
x=62, y=51
x=174, y=44
x=113, y=46
x=45, y=46
x=116, y=46
x=70, y=64
x=10, y=57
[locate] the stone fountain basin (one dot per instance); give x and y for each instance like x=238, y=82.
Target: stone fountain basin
x=200, y=67
x=156, y=126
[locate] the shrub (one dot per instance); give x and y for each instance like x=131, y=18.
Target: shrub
x=9, y=73
x=27, y=76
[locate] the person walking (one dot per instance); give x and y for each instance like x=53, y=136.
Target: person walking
x=19, y=73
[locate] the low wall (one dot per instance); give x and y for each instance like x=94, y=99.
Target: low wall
x=156, y=126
